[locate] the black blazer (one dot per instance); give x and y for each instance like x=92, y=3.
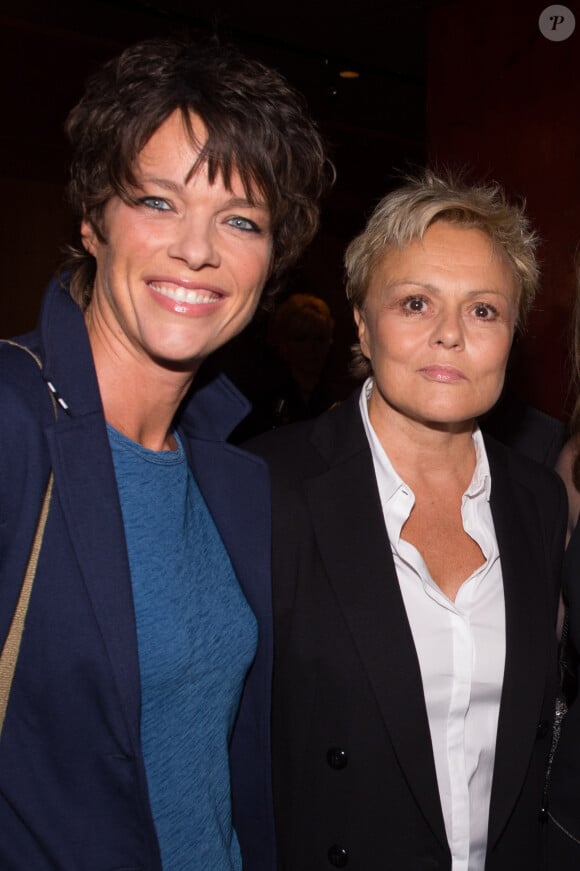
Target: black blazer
x=354, y=774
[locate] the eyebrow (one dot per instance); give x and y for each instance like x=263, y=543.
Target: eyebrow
x=434, y=289
x=165, y=183
x=177, y=187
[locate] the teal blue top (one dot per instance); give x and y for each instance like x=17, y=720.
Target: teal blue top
x=197, y=637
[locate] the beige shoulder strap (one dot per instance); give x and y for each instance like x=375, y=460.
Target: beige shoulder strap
x=11, y=649
x=9, y=655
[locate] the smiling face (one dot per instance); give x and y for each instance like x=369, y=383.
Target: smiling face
x=437, y=325
x=182, y=269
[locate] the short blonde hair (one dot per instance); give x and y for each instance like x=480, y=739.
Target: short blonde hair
x=408, y=211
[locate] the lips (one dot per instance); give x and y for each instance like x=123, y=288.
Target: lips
x=443, y=374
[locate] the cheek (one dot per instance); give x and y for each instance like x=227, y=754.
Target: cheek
x=493, y=361
x=397, y=345
x=253, y=272
x=249, y=287
x=501, y=351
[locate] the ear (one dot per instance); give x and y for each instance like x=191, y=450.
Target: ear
x=361, y=326
x=89, y=237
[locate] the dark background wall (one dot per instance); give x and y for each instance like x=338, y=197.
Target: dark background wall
x=471, y=83
x=504, y=100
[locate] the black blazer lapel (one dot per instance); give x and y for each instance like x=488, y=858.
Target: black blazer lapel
x=529, y=634
x=354, y=547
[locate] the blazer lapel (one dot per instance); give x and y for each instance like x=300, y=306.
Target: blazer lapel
x=234, y=484
x=88, y=496
x=85, y=487
x=354, y=546
x=526, y=602
x=235, y=487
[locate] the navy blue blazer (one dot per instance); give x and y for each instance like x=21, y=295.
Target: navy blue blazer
x=73, y=791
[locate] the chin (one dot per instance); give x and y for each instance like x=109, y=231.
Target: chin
x=181, y=359
x=451, y=426
x=447, y=419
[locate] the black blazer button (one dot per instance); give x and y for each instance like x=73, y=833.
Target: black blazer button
x=338, y=856
x=337, y=758
x=542, y=729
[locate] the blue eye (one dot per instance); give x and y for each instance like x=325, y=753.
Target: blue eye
x=156, y=203
x=243, y=224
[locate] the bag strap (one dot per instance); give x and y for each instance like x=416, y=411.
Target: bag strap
x=11, y=649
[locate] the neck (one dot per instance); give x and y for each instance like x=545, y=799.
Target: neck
x=141, y=401
x=421, y=451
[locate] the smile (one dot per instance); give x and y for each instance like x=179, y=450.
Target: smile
x=180, y=294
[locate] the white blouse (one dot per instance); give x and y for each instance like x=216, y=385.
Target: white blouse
x=461, y=650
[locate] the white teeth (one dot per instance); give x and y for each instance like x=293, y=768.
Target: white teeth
x=180, y=294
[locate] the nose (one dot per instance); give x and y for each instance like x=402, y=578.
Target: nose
x=194, y=243
x=448, y=330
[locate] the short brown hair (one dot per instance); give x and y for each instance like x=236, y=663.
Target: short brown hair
x=408, y=211
x=256, y=124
